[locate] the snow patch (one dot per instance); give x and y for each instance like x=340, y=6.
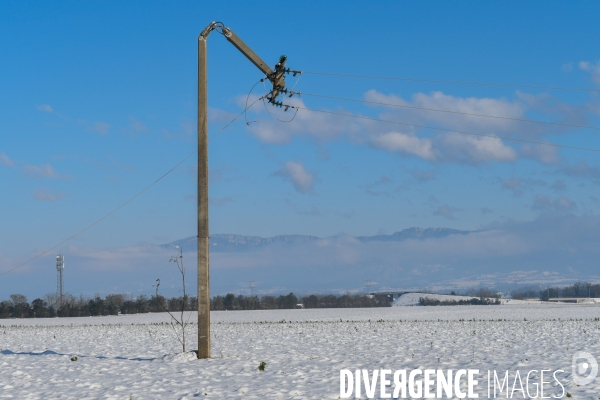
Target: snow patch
x=412, y=299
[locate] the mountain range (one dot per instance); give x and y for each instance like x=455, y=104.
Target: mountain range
x=235, y=243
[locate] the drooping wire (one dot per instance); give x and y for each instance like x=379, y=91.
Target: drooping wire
x=233, y=120
x=450, y=130
x=125, y=203
x=452, y=112
x=248, y=97
x=389, y=78
x=286, y=108
x=297, y=80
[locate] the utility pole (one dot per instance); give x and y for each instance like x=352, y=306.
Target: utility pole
x=60, y=266
x=277, y=78
x=203, y=238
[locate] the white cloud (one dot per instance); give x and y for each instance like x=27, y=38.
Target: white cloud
x=440, y=101
x=453, y=147
x=136, y=126
x=320, y=126
x=549, y=204
x=554, y=111
x=446, y=212
x=100, y=128
x=583, y=170
x=514, y=185
x=409, y=144
x=46, y=195
x=423, y=176
x=450, y=147
x=5, y=161
x=121, y=165
x=302, y=180
x=592, y=68
x=559, y=185
x=542, y=153
x=518, y=186
x=45, y=108
x=379, y=187
x=474, y=149
x=43, y=171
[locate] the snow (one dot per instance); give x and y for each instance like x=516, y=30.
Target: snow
x=138, y=356
x=412, y=299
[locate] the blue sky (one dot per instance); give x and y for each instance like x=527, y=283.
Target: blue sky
x=98, y=100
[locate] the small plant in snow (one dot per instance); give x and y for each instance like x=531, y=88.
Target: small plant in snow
x=74, y=358
x=181, y=321
x=261, y=366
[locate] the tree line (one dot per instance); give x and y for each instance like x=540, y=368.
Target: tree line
x=426, y=301
x=113, y=304
x=241, y=302
x=50, y=305
x=577, y=290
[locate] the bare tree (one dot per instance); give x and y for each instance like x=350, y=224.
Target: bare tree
x=114, y=302
x=52, y=300
x=20, y=304
x=181, y=321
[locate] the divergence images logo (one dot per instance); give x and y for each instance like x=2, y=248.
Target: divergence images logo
x=581, y=367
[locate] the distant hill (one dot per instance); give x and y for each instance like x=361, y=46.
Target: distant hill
x=235, y=243
x=414, y=233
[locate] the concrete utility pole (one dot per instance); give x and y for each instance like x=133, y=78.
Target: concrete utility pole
x=277, y=78
x=203, y=237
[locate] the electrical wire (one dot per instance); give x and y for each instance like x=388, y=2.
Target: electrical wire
x=450, y=130
x=452, y=112
x=248, y=97
x=125, y=203
x=235, y=118
x=297, y=80
x=389, y=78
x=101, y=219
x=281, y=120
x=273, y=116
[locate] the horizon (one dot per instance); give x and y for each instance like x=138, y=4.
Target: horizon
x=493, y=132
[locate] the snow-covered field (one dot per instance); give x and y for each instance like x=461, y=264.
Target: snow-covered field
x=412, y=299
x=137, y=356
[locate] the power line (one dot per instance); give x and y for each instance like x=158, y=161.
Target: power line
x=389, y=78
x=101, y=219
x=125, y=203
x=453, y=112
x=449, y=130
x=234, y=118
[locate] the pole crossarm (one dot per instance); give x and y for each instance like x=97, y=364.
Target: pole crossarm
x=276, y=77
